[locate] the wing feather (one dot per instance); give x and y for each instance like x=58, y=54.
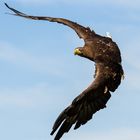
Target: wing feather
x=83, y=106
x=81, y=31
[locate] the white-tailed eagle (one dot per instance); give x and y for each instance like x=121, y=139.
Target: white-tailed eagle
x=108, y=74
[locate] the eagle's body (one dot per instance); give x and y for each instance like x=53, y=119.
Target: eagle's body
x=106, y=55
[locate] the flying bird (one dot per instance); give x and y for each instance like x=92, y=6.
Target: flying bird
x=104, y=52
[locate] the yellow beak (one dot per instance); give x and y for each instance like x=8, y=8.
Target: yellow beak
x=77, y=52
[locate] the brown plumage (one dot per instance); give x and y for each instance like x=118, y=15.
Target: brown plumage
x=106, y=55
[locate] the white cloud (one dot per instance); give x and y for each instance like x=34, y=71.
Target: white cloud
x=114, y=134
x=131, y=60
x=20, y=97
x=38, y=96
x=124, y=3
x=24, y=59
x=34, y=1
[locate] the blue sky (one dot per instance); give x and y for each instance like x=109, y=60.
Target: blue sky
x=40, y=76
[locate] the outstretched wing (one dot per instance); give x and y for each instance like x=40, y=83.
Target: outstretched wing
x=84, y=106
x=81, y=31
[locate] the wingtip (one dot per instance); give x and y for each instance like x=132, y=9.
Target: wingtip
x=6, y=4
x=52, y=132
x=8, y=8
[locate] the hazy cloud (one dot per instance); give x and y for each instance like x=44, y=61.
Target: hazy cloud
x=24, y=59
x=40, y=95
x=116, y=134
x=124, y=3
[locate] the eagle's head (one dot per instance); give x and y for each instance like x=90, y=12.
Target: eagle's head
x=84, y=52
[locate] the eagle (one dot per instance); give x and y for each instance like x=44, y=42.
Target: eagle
x=104, y=52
